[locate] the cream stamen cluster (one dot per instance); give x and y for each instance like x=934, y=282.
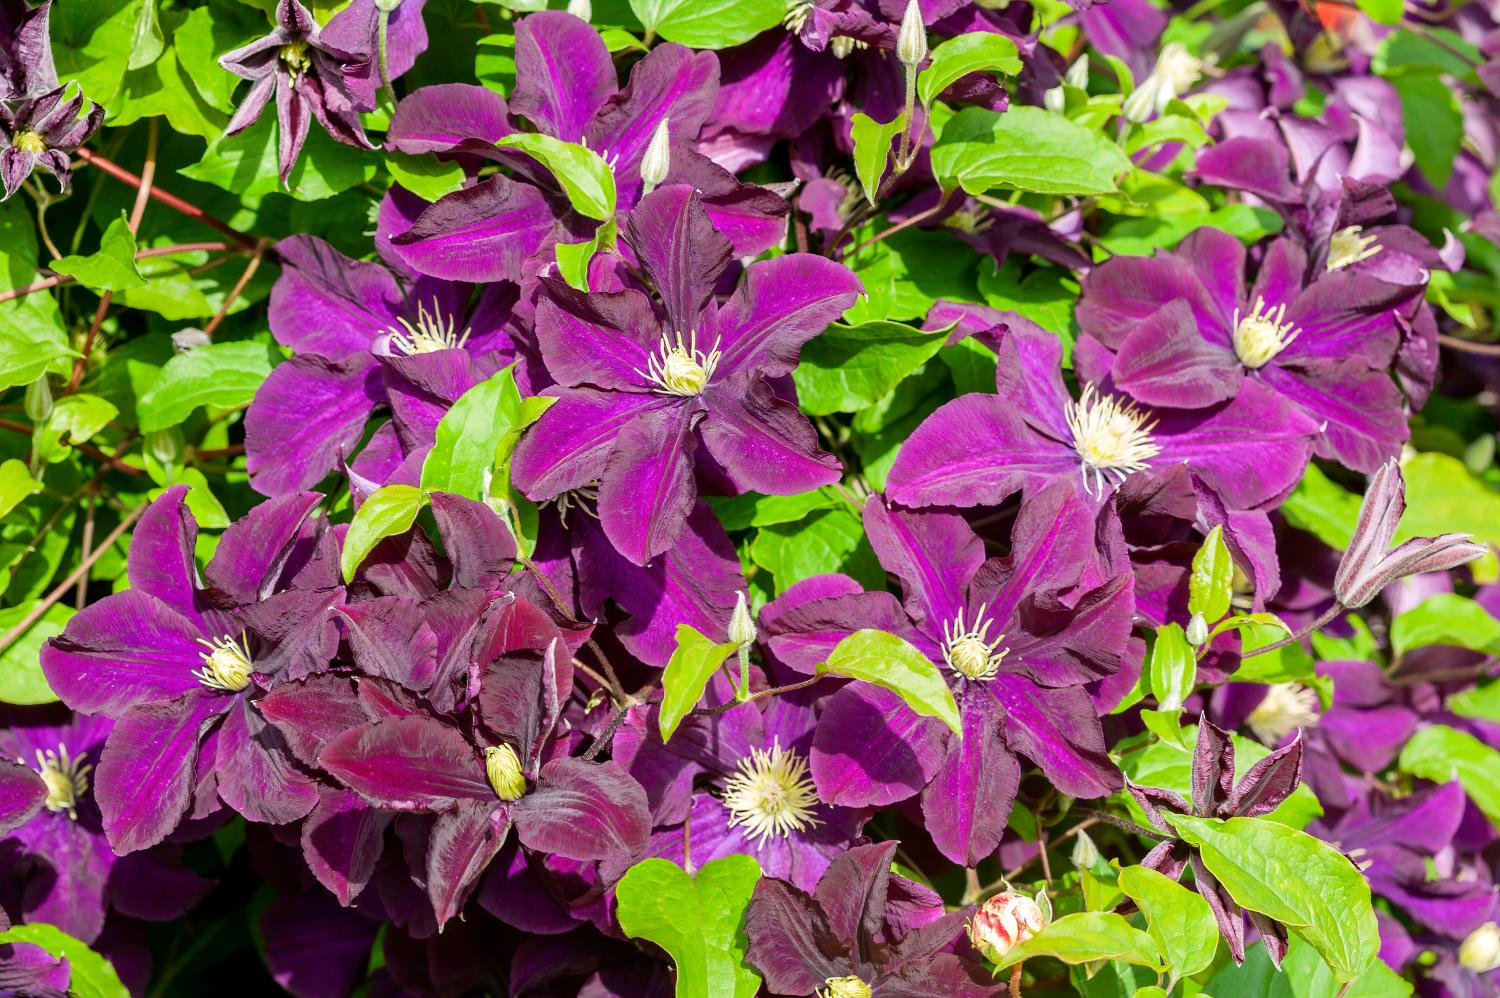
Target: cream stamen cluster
x=1112, y=437
x=679, y=368
x=430, y=334
x=1349, y=246
x=66, y=778
x=226, y=664
x=1286, y=707
x=969, y=651
x=771, y=794
x=1262, y=334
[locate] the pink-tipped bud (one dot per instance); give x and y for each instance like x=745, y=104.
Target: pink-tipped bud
x=1003, y=922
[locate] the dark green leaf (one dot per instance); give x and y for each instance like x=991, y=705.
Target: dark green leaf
x=846, y=368
x=21, y=679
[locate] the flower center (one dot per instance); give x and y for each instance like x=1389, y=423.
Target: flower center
x=584, y=498
x=1178, y=67
x=29, y=141
x=797, y=16
x=844, y=987
x=1480, y=951
x=503, y=768
x=226, y=664
x=294, y=57
x=842, y=45
x=771, y=794
x=969, y=650
x=1262, y=334
x=430, y=333
x=681, y=369
x=1287, y=707
x=67, y=779
x=1112, y=437
x=1349, y=245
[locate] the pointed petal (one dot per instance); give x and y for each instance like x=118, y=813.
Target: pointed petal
x=1267, y=783
x=257, y=776
x=327, y=304
x=605, y=339
x=1167, y=362
x=21, y=795
x=312, y=712
x=479, y=234
x=853, y=893
x=563, y=74
x=967, y=804
x=144, y=783
x=933, y=554
x=342, y=840
x=790, y=940
x=680, y=250
x=306, y=415
x=671, y=83
x=1213, y=768
x=764, y=443
x=129, y=648
x=444, y=117
x=781, y=305
x=585, y=811
x=251, y=553
x=569, y=446
x=463, y=842
x=648, y=487
x=871, y=749
x=1058, y=730
x=408, y=764
x=161, y=561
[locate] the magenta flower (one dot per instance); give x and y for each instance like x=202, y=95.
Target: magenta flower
x=43, y=132
x=649, y=393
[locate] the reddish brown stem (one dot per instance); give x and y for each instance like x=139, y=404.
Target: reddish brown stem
x=170, y=200
x=1015, y=981
x=238, y=289
x=58, y=279
x=114, y=463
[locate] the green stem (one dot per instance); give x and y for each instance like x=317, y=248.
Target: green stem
x=383, y=45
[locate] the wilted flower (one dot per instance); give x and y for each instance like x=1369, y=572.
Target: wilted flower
x=43, y=132
x=26, y=66
x=1003, y=922
x=1370, y=563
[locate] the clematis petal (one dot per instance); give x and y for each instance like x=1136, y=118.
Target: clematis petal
x=1058, y=730
x=478, y=234
x=672, y=83
x=790, y=939
x=781, y=305
x=448, y=117
x=763, y=442
x=605, y=339
x=328, y=304
x=1267, y=783
x=306, y=415
x=968, y=802
x=648, y=487
x=257, y=775
x=1360, y=410
x=585, y=811
x=162, y=561
x=463, y=842
x=563, y=74
x=410, y=763
x=1167, y=362
x=251, y=553
x=933, y=554
x=680, y=251
x=871, y=749
x=21, y=795
x=1213, y=768
x=570, y=445
x=315, y=948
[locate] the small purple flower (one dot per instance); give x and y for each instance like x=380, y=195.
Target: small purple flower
x=42, y=132
x=309, y=77
x=649, y=393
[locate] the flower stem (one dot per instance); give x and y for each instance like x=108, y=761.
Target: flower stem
x=773, y=691
x=1302, y=632
x=383, y=48
x=56, y=280
x=170, y=200
x=238, y=289
x=1015, y=980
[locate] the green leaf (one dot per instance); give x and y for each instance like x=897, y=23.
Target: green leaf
x=248, y=166
x=425, y=176
x=1303, y=974
x=471, y=455
x=207, y=32
x=16, y=484
x=894, y=664
x=112, y=268
x=78, y=417
x=1242, y=621
x=751, y=509
x=975, y=52
x=1178, y=919
x=159, y=89
x=573, y=258
x=1300, y=881
x=847, y=368
x=1434, y=122
x=1166, y=725
x=21, y=679
x=1026, y=149
x=872, y=150
x=1084, y=937
x=390, y=510
x=223, y=375
x=26, y=352
x=1173, y=667
x=1440, y=753
x=146, y=41
x=1446, y=619
x=92, y=976
x=708, y=24
x=583, y=174
x=698, y=920
x=91, y=45
x=1211, y=584
x=1286, y=664
x=1323, y=508
x=694, y=661
x=1383, y=11
x=831, y=541
x=1482, y=702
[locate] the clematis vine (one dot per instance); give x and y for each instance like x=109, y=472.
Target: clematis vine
x=651, y=393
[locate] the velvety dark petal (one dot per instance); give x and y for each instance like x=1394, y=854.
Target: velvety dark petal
x=1361, y=413
x=478, y=234
x=791, y=943
x=585, y=811
x=606, y=339
x=1267, y=783
x=672, y=83
x=314, y=947
x=257, y=776
x=298, y=626
x=389, y=637
x=21, y=795
x=152, y=885
x=1153, y=800
x=144, y=783
x=763, y=442
x=648, y=487
x=1213, y=768
x=968, y=802
x=328, y=304
x=1059, y=645
x=1167, y=362
x=781, y=305
x=944, y=976
x=342, y=839
x=478, y=544
x=934, y=554
x=680, y=250
x=1226, y=912
x=569, y=446
x=408, y=764
x=872, y=749
x=520, y=698
x=1273, y=934
x=251, y=553
x=1057, y=729
x=853, y=892
x=306, y=415
x=313, y=711
x=563, y=74
x=443, y=117
x=161, y=562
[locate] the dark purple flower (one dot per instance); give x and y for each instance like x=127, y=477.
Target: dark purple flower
x=649, y=393
x=26, y=66
x=978, y=449
x=1017, y=639
x=309, y=77
x=43, y=132
x=364, y=338
x=1182, y=330
x=356, y=30
x=1216, y=794
x=177, y=662
x=863, y=931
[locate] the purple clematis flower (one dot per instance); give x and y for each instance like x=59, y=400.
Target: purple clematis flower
x=356, y=30
x=651, y=394
x=26, y=66
x=1182, y=330
x=177, y=664
x=863, y=931
x=1017, y=639
x=980, y=449
x=364, y=339
x=494, y=769
x=309, y=77
x=43, y=132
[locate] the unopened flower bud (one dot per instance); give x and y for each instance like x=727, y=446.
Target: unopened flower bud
x=165, y=446
x=1085, y=853
x=503, y=768
x=1054, y=100
x=911, y=42
x=741, y=623
x=1004, y=922
x=657, y=159
x=581, y=9
x=38, y=400
x=1078, y=73
x=1370, y=563
x=1480, y=951
x=1197, y=631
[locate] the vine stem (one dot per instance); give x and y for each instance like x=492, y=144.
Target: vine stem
x=172, y=201
x=98, y=455
x=1297, y=635
x=77, y=573
x=1015, y=980
x=238, y=288
x=1469, y=346
x=57, y=279
x=774, y=691
x=916, y=219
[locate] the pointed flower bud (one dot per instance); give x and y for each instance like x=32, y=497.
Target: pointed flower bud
x=38, y=400
x=1004, y=922
x=911, y=42
x=1480, y=951
x=503, y=768
x=1197, y=631
x=387, y=6
x=1078, y=73
x=1370, y=563
x=657, y=159
x=741, y=623
x=581, y=9
x=166, y=446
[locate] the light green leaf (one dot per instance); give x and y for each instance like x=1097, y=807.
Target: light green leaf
x=872, y=150
x=751, y=509
x=426, y=176
x=573, y=259
x=583, y=174
x=694, y=661
x=975, y=52
x=1434, y=122
x=1241, y=621
x=146, y=42
x=1084, y=937
x=1289, y=663
x=1173, y=667
x=1211, y=584
x=78, y=417
x=16, y=484
x=1440, y=753
x=698, y=920
x=1383, y=11
x=1441, y=496
x=389, y=510
x=112, y=268
x=1323, y=508
x=847, y=368
x=471, y=455
x=1303, y=974
x=1166, y=725
x=708, y=24
x=207, y=32
x=223, y=375
x=92, y=976
x=894, y=664
x=1026, y=149
x=91, y=45
x=1178, y=919
x=21, y=679
x=1481, y=702
x=1300, y=881
x=1446, y=619
x=24, y=356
